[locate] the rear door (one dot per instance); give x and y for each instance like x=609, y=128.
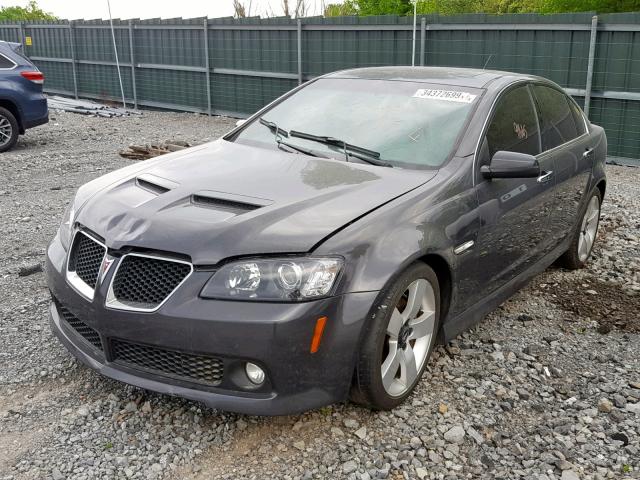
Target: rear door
x=514, y=211
x=567, y=144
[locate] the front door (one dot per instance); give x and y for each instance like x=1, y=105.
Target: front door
x=514, y=212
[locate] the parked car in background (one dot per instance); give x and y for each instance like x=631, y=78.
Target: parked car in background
x=22, y=103
x=319, y=250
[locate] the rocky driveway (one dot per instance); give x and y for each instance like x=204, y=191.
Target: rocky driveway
x=547, y=387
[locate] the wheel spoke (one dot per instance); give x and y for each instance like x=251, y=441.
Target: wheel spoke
x=422, y=326
x=408, y=369
x=390, y=365
x=416, y=295
x=588, y=240
x=582, y=247
x=395, y=324
x=4, y=134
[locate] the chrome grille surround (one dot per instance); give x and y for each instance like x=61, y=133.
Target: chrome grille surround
x=90, y=252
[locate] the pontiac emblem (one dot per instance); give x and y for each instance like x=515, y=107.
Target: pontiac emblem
x=106, y=265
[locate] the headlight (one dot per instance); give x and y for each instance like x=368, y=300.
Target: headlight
x=276, y=279
x=66, y=227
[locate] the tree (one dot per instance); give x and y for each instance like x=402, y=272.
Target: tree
x=242, y=9
x=383, y=7
x=300, y=8
x=31, y=12
x=452, y=7
x=340, y=9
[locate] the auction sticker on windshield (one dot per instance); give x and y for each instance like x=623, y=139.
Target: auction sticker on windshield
x=448, y=95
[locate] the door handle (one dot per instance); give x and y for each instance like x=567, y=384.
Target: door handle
x=588, y=152
x=545, y=177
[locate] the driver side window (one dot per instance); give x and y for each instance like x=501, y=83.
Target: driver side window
x=514, y=126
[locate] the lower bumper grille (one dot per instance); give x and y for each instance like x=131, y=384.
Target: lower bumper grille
x=170, y=363
x=84, y=330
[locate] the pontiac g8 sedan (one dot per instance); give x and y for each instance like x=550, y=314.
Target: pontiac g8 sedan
x=320, y=250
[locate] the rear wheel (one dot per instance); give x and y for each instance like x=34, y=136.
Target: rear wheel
x=399, y=340
x=8, y=130
x=585, y=236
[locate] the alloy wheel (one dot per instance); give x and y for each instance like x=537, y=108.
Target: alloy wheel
x=5, y=130
x=589, y=228
x=408, y=337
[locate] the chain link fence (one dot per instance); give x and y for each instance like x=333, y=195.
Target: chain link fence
x=234, y=67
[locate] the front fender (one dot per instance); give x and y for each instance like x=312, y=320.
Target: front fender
x=433, y=219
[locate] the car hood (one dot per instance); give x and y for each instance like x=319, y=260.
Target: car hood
x=225, y=199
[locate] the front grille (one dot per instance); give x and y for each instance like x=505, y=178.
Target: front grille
x=169, y=363
x=88, y=333
x=86, y=258
x=145, y=282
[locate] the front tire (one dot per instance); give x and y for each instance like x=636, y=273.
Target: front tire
x=585, y=236
x=398, y=340
x=8, y=130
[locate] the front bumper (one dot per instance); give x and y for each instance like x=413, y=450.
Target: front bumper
x=275, y=336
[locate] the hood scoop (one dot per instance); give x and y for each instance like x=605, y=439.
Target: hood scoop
x=228, y=202
x=154, y=184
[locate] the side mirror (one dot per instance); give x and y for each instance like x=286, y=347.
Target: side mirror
x=240, y=122
x=511, y=165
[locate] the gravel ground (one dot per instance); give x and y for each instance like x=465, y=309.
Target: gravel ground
x=547, y=387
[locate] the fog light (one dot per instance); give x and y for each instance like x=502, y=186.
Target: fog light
x=255, y=373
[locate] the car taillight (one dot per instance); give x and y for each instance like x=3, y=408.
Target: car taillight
x=35, y=77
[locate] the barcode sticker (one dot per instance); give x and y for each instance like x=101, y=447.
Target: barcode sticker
x=447, y=95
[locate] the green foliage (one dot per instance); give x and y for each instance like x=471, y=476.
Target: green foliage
x=452, y=7
x=340, y=9
x=31, y=12
x=383, y=7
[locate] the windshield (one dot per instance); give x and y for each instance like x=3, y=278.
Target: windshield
x=410, y=124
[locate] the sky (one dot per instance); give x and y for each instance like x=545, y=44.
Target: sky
x=91, y=9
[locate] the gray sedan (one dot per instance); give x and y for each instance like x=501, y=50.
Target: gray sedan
x=320, y=250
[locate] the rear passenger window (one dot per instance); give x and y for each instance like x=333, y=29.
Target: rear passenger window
x=514, y=126
x=558, y=122
x=5, y=62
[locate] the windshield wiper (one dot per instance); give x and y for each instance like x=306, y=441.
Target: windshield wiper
x=306, y=151
x=279, y=133
x=369, y=156
x=273, y=127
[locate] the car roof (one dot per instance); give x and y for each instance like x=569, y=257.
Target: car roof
x=463, y=77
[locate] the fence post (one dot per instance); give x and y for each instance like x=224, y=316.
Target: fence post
x=423, y=40
x=21, y=34
x=132, y=59
x=72, y=47
x=206, y=63
x=592, y=54
x=299, y=21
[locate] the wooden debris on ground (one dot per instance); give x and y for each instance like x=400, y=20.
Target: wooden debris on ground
x=144, y=152
x=87, y=107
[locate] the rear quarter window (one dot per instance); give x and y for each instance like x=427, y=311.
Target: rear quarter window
x=577, y=117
